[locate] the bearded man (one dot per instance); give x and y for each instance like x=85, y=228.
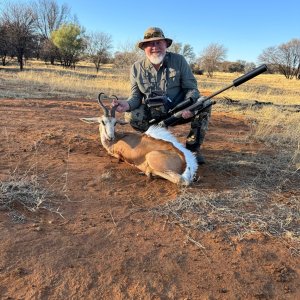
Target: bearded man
x=167, y=76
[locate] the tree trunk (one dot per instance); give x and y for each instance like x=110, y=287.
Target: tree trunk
x=21, y=62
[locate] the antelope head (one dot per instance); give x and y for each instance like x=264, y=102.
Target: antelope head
x=107, y=121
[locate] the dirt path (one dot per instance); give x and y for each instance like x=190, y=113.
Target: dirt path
x=101, y=237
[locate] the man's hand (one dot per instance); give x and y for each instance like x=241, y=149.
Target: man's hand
x=122, y=105
x=186, y=114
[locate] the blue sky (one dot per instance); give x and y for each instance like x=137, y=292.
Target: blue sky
x=245, y=28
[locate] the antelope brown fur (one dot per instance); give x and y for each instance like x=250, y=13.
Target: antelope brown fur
x=155, y=152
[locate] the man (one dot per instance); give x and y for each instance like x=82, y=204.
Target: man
x=167, y=76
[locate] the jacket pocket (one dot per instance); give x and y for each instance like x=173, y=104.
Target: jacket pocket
x=144, y=86
x=174, y=79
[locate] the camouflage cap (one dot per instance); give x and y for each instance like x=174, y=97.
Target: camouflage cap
x=154, y=34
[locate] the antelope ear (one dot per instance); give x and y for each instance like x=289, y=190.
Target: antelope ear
x=121, y=122
x=91, y=120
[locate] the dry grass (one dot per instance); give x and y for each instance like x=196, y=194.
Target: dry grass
x=22, y=192
x=262, y=188
x=263, y=197
x=41, y=81
x=240, y=211
x=54, y=81
x=270, y=125
x=279, y=129
x=265, y=87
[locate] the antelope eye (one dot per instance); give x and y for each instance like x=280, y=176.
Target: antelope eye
x=103, y=123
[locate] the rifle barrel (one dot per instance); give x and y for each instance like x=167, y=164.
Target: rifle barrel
x=250, y=75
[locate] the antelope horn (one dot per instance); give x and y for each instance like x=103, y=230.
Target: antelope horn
x=105, y=109
x=113, y=109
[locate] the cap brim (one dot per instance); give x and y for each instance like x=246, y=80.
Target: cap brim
x=141, y=43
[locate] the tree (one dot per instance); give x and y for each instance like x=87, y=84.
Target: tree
x=284, y=58
x=240, y=66
x=71, y=43
x=49, y=52
x=99, y=45
x=188, y=53
x=21, y=36
x=127, y=55
x=175, y=47
x=211, y=56
x=186, y=50
x=237, y=66
x=249, y=66
x=5, y=48
x=125, y=59
x=49, y=17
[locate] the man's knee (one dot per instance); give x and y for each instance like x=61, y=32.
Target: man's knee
x=138, y=118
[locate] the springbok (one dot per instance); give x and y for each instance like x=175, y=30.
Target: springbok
x=155, y=152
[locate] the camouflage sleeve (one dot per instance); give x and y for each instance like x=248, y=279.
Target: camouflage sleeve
x=135, y=98
x=189, y=82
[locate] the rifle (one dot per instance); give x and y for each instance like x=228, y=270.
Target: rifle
x=175, y=114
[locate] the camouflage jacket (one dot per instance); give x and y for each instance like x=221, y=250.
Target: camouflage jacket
x=175, y=77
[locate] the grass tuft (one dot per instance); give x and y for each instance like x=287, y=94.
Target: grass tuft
x=261, y=196
x=19, y=193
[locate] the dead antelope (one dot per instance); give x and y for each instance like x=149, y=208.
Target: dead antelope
x=155, y=152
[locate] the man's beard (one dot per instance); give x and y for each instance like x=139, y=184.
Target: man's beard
x=156, y=59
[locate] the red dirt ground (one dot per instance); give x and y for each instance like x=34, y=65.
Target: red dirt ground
x=109, y=245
